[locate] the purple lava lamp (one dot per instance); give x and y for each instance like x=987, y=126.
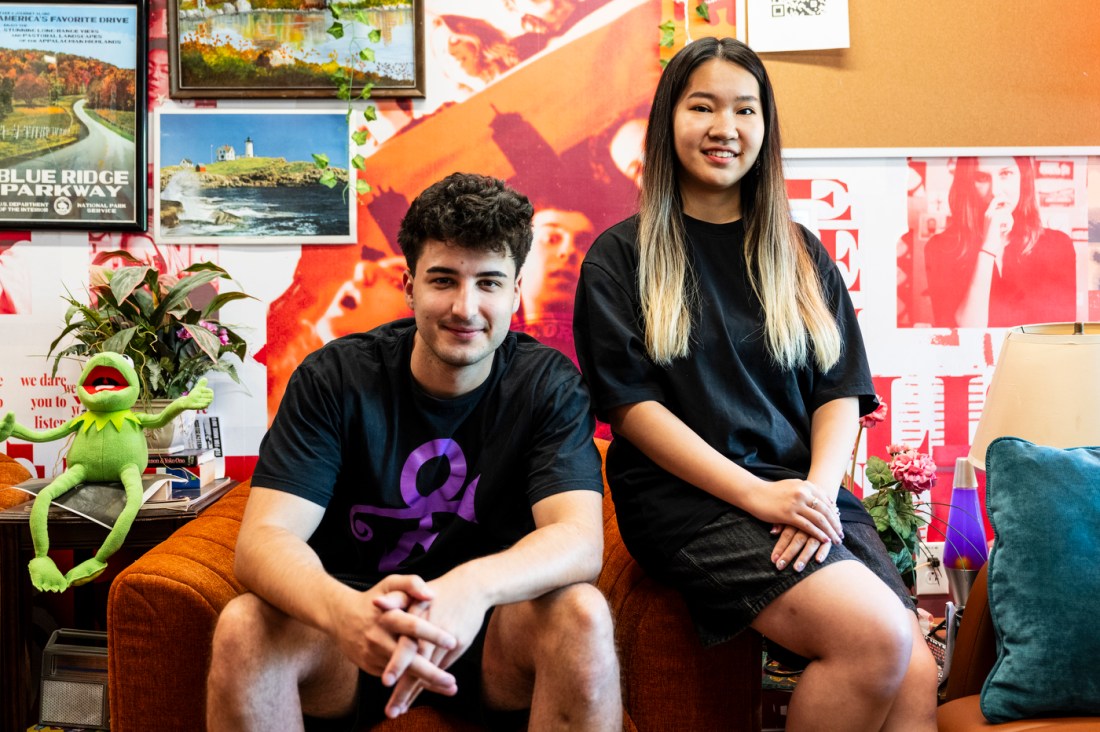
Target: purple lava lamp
x=965, y=549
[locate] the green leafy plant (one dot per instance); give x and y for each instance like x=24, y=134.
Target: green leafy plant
x=344, y=20
x=897, y=520
x=147, y=316
x=668, y=28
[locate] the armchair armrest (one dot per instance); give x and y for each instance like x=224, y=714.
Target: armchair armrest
x=11, y=472
x=161, y=613
x=669, y=680
x=975, y=645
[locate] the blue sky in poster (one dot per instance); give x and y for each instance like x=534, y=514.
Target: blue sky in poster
x=104, y=32
x=197, y=135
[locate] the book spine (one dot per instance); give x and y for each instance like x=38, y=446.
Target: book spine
x=191, y=481
x=174, y=461
x=214, y=435
x=196, y=441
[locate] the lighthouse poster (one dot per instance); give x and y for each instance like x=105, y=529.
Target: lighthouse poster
x=72, y=109
x=253, y=177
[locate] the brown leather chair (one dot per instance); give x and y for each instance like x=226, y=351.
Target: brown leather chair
x=162, y=609
x=974, y=656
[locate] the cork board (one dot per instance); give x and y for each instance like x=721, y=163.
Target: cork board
x=945, y=73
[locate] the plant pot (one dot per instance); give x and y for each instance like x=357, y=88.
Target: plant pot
x=173, y=436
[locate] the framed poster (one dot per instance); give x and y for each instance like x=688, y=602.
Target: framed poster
x=72, y=115
x=289, y=52
x=233, y=176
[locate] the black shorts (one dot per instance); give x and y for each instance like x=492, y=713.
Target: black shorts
x=467, y=703
x=726, y=575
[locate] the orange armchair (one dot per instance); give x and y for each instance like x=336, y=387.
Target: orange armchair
x=162, y=609
x=11, y=473
x=973, y=659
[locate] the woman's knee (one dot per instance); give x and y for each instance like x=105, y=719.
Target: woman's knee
x=883, y=647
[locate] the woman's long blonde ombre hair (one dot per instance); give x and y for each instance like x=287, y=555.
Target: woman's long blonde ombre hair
x=797, y=318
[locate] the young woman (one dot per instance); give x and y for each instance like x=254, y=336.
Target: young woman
x=720, y=344
x=1014, y=271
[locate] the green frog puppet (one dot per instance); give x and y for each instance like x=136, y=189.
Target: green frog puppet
x=108, y=445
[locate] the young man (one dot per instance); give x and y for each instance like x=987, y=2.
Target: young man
x=426, y=511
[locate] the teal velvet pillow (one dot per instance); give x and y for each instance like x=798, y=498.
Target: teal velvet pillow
x=1044, y=580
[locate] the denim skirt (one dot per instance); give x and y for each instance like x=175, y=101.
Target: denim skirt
x=726, y=575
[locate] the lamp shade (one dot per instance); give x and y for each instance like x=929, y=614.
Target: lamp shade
x=1045, y=388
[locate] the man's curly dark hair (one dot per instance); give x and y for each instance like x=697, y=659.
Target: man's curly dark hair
x=471, y=211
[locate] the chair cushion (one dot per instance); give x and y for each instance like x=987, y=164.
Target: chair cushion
x=1044, y=578
x=964, y=715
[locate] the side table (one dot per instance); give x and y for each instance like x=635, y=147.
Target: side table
x=67, y=531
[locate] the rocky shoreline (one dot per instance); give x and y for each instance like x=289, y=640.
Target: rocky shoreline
x=271, y=178
x=277, y=175
x=170, y=215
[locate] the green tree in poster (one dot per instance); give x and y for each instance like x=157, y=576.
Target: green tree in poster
x=6, y=87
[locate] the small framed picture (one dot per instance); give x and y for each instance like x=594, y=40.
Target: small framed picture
x=241, y=50
x=233, y=176
x=72, y=115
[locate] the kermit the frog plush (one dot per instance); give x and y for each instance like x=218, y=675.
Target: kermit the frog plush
x=109, y=445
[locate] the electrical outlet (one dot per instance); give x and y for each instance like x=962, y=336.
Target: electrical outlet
x=931, y=577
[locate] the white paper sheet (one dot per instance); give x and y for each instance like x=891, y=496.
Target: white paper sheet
x=797, y=25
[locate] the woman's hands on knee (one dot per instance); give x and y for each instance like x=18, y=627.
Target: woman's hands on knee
x=800, y=505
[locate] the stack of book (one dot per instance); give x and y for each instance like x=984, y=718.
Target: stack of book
x=193, y=469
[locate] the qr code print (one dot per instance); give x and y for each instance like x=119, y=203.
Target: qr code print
x=782, y=8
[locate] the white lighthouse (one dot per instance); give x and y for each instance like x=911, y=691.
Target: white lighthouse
x=248, y=148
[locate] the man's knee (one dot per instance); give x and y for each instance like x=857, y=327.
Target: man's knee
x=238, y=634
x=582, y=609
x=578, y=632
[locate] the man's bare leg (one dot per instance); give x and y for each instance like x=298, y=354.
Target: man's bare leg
x=267, y=669
x=555, y=655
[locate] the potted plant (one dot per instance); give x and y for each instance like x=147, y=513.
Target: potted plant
x=897, y=482
x=148, y=316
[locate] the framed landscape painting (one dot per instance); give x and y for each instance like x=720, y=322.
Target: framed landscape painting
x=248, y=177
x=277, y=49
x=72, y=115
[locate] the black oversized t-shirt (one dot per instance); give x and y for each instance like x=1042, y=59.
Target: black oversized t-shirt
x=728, y=390
x=415, y=484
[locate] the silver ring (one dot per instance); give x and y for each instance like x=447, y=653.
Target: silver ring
x=814, y=504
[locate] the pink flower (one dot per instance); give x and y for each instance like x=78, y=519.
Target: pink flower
x=879, y=415
x=893, y=449
x=914, y=470
x=223, y=334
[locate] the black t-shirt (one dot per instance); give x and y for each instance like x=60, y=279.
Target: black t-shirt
x=728, y=390
x=416, y=484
